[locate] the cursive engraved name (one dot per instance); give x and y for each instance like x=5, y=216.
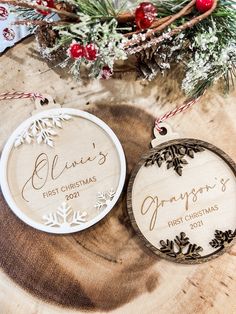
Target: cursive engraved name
x=45, y=170
x=154, y=203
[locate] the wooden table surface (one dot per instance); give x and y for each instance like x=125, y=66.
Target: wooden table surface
x=107, y=268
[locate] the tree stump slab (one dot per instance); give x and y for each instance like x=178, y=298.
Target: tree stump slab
x=107, y=267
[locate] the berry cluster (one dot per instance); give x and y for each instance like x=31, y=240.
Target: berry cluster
x=144, y=17
x=204, y=5
x=77, y=51
x=145, y=14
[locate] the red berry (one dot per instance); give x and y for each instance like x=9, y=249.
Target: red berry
x=8, y=34
x=145, y=14
x=91, y=52
x=46, y=3
x=204, y=5
x=106, y=72
x=76, y=51
x=3, y=14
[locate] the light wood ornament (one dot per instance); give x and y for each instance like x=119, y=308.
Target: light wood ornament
x=182, y=200
x=62, y=170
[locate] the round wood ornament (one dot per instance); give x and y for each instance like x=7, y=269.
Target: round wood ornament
x=62, y=170
x=182, y=199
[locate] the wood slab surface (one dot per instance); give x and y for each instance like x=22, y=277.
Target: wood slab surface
x=107, y=268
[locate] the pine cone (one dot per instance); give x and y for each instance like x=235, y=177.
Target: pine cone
x=46, y=36
x=154, y=60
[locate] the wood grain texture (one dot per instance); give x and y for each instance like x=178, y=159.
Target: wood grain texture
x=61, y=269
x=108, y=268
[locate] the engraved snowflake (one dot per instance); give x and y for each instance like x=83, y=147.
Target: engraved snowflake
x=65, y=217
x=104, y=198
x=42, y=130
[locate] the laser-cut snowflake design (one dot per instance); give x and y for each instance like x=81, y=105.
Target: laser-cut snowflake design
x=65, y=217
x=104, y=198
x=180, y=248
x=174, y=156
x=42, y=130
x=222, y=238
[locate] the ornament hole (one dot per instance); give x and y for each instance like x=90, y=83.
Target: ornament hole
x=44, y=102
x=163, y=131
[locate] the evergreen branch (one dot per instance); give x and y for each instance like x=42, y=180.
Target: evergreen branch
x=104, y=34
x=164, y=22
x=103, y=8
x=204, y=43
x=171, y=33
x=169, y=7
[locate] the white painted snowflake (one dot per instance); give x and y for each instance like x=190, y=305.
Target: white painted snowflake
x=65, y=217
x=42, y=130
x=104, y=198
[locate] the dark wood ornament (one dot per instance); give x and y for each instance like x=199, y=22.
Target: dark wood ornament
x=185, y=226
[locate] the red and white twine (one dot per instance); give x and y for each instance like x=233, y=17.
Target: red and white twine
x=173, y=112
x=20, y=95
x=158, y=121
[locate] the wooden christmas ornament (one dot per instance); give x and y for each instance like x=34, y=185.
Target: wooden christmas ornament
x=62, y=170
x=182, y=199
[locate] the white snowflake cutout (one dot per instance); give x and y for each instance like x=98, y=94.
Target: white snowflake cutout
x=104, y=198
x=42, y=130
x=65, y=217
